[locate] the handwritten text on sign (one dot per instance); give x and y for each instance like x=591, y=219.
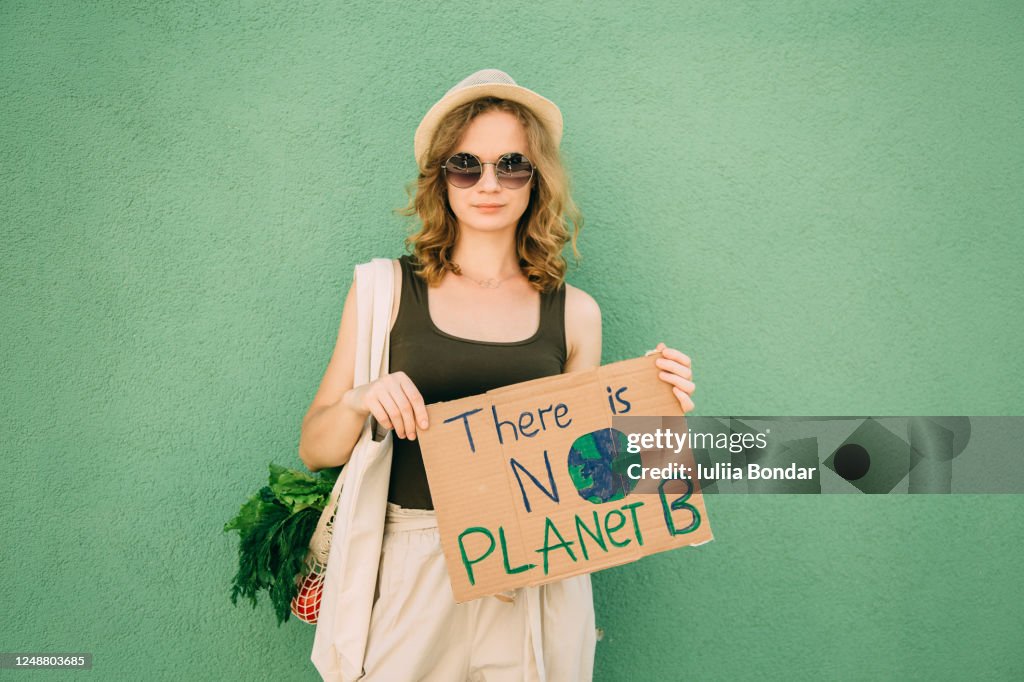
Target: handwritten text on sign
x=529, y=481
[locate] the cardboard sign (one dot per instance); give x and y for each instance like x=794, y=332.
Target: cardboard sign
x=527, y=485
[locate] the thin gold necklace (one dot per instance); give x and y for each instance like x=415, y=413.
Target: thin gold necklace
x=489, y=283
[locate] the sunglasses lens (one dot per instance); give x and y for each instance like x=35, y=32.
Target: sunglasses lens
x=514, y=171
x=463, y=170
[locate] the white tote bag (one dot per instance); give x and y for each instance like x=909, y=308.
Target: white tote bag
x=350, y=580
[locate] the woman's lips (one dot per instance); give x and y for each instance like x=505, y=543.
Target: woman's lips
x=488, y=208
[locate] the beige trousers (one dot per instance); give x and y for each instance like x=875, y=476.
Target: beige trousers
x=418, y=631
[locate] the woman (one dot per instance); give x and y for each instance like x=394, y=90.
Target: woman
x=480, y=303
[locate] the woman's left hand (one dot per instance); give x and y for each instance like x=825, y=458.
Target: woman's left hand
x=677, y=372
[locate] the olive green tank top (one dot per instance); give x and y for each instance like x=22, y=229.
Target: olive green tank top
x=445, y=367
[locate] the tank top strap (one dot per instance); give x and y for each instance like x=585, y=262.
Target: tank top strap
x=552, y=318
x=414, y=292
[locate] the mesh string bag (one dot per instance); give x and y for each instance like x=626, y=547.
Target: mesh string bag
x=306, y=604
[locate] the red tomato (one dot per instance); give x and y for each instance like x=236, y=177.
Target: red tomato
x=306, y=604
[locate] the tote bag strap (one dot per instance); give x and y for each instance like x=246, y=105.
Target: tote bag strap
x=375, y=284
x=374, y=293
x=383, y=297
x=360, y=495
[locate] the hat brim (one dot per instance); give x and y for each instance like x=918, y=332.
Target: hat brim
x=546, y=110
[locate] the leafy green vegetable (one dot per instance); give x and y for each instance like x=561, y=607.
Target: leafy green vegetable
x=275, y=526
x=248, y=516
x=296, y=490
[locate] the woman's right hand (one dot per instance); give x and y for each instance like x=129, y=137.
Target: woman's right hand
x=394, y=401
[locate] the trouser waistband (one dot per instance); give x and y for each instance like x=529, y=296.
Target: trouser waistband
x=400, y=518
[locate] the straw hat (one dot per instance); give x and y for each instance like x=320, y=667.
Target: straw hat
x=486, y=83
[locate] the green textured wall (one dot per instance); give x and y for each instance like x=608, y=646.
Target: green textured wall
x=820, y=202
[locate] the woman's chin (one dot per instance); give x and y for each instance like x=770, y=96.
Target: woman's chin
x=488, y=225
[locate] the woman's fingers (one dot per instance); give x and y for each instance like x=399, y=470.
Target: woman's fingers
x=409, y=408
x=396, y=403
x=684, y=400
x=405, y=407
x=419, y=408
x=656, y=350
x=673, y=354
x=674, y=367
x=380, y=414
x=394, y=412
x=677, y=381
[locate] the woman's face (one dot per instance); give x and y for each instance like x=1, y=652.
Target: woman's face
x=487, y=206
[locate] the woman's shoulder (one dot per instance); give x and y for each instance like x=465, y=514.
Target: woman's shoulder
x=582, y=330
x=580, y=307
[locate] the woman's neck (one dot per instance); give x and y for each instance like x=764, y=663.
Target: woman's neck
x=484, y=255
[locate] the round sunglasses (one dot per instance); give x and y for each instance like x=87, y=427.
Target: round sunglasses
x=463, y=170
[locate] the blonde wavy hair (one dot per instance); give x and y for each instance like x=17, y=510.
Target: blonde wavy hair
x=544, y=227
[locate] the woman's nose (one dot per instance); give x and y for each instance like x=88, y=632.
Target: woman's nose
x=489, y=181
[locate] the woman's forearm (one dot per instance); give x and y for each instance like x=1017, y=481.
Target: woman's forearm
x=328, y=435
